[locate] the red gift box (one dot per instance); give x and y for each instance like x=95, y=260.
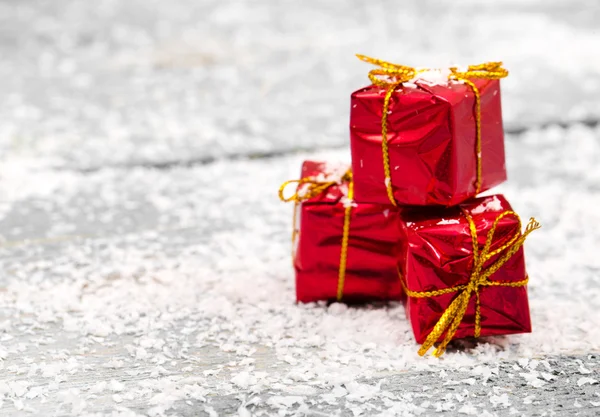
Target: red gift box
x=434, y=126
x=456, y=288
x=373, y=241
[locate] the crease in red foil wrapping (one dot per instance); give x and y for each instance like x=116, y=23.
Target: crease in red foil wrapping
x=431, y=142
x=439, y=254
x=373, y=246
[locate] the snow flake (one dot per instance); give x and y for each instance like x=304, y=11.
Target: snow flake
x=448, y=221
x=583, y=370
x=468, y=409
x=500, y=400
x=586, y=380
x=529, y=399
x=492, y=204
x=533, y=379
x=210, y=411
x=98, y=387
x=244, y=380
x=244, y=412
x=116, y=386
x=284, y=401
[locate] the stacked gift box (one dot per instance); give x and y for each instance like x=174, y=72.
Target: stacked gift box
x=405, y=222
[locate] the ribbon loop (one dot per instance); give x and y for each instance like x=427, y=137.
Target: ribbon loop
x=453, y=315
x=395, y=73
x=293, y=197
x=314, y=188
x=486, y=70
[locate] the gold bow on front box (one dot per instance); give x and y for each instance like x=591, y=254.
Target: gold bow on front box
x=480, y=274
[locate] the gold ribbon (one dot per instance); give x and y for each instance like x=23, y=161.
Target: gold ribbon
x=315, y=188
x=391, y=76
x=453, y=315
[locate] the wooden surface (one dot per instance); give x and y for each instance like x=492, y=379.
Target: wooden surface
x=144, y=256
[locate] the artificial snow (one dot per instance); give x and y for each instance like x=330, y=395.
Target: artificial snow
x=586, y=380
x=433, y=76
x=448, y=221
x=144, y=255
x=493, y=204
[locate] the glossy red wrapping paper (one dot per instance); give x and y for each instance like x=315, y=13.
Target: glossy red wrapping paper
x=431, y=140
x=439, y=254
x=373, y=249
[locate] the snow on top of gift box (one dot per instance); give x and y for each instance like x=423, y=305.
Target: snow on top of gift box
x=348, y=202
x=448, y=221
x=325, y=172
x=433, y=76
x=332, y=171
x=491, y=204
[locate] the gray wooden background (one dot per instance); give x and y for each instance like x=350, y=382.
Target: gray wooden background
x=144, y=256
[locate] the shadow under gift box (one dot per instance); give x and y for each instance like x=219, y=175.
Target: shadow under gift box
x=439, y=254
x=431, y=141
x=373, y=247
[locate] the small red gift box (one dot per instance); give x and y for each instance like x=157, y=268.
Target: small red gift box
x=441, y=140
x=367, y=271
x=464, y=271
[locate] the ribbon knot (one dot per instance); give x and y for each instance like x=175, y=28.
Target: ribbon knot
x=473, y=285
x=455, y=312
x=391, y=76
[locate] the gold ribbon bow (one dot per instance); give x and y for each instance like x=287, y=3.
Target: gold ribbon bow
x=453, y=316
x=391, y=76
x=313, y=189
